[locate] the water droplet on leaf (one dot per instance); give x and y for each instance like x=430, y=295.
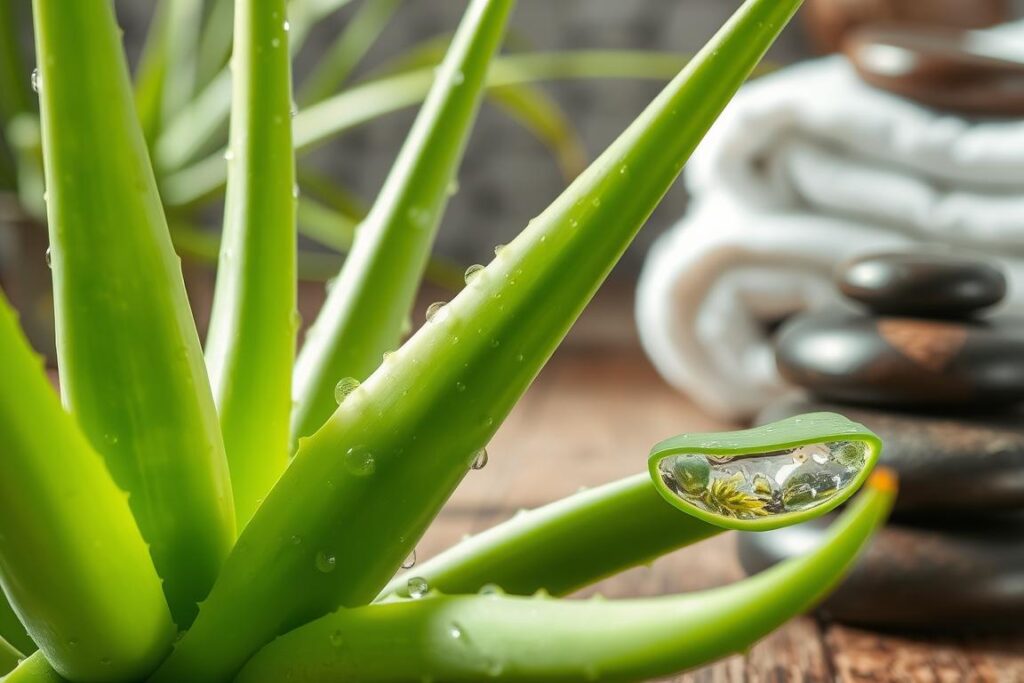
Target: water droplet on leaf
x=344, y=387
x=418, y=587
x=410, y=561
x=325, y=562
x=480, y=459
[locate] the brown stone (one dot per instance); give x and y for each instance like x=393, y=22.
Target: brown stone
x=829, y=21
x=942, y=68
x=904, y=362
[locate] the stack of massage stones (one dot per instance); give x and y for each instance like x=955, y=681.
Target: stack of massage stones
x=943, y=388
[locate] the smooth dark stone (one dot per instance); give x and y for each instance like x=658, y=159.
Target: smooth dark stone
x=960, y=71
x=965, y=576
x=922, y=284
x=945, y=463
x=903, y=362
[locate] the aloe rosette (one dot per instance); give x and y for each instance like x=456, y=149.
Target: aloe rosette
x=307, y=591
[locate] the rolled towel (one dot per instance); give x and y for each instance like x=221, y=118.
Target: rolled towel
x=808, y=167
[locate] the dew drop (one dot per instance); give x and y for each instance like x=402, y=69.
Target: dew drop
x=459, y=386
x=295, y=191
x=596, y=202
x=458, y=78
x=49, y=258
x=229, y=154
x=325, y=562
x=296, y=540
x=498, y=248
x=360, y=461
x=473, y=272
x=344, y=387
x=491, y=589
x=455, y=631
x=453, y=187
x=387, y=356
x=337, y=639
x=480, y=459
x=410, y=561
x=436, y=311
x=418, y=587
x=287, y=26
x=36, y=80
x=275, y=42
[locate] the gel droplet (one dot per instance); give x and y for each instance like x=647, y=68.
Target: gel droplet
x=418, y=587
x=360, y=461
x=473, y=272
x=410, y=561
x=436, y=311
x=480, y=459
x=325, y=562
x=344, y=387
x=761, y=485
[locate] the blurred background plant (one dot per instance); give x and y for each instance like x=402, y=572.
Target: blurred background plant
x=361, y=67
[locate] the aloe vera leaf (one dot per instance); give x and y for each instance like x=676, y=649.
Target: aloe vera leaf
x=15, y=97
x=9, y=657
x=348, y=49
x=581, y=539
x=361, y=490
x=472, y=638
x=215, y=41
x=12, y=630
x=391, y=249
x=68, y=543
x=524, y=103
x=251, y=344
x=34, y=669
x=362, y=103
x=565, y=545
x=131, y=365
x=166, y=73
x=775, y=438
x=545, y=119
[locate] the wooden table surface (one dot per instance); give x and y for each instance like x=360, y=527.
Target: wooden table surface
x=591, y=417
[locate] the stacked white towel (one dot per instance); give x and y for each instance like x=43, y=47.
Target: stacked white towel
x=808, y=167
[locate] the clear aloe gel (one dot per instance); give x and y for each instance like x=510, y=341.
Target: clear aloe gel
x=769, y=476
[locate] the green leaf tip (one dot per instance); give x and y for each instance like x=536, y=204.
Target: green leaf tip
x=769, y=476
x=493, y=636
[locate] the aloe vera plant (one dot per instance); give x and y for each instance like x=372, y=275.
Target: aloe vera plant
x=161, y=452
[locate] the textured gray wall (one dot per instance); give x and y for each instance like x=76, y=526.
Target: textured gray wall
x=508, y=177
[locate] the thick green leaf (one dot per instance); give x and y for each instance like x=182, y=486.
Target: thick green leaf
x=251, y=343
x=131, y=365
x=34, y=669
x=9, y=657
x=493, y=637
x=12, y=630
x=69, y=547
x=363, y=103
x=367, y=308
x=361, y=490
x=564, y=546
